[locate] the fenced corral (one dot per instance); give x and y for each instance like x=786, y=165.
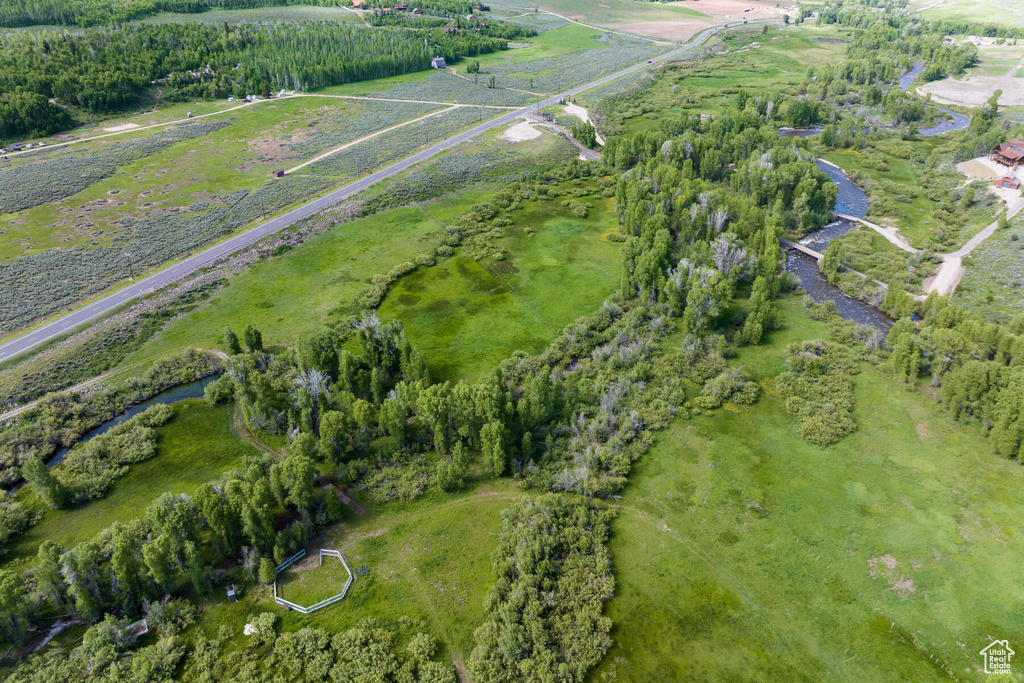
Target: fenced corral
x=323, y=603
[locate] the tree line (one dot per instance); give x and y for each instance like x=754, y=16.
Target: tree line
x=109, y=68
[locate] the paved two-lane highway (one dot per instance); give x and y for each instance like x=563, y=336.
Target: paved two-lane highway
x=160, y=279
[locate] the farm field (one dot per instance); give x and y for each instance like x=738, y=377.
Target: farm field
x=745, y=552
x=194, y=448
x=672, y=21
x=1003, y=12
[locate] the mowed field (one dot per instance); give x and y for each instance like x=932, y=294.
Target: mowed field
x=743, y=552
x=1003, y=12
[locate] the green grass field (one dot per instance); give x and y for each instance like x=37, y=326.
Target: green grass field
x=194, y=173
x=467, y=316
x=743, y=552
x=305, y=289
x=195, y=447
x=429, y=560
x=312, y=580
x=1002, y=12
x=656, y=20
x=779, y=60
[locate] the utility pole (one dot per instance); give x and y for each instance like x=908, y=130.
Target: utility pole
x=130, y=269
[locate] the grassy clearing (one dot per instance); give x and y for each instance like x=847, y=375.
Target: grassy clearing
x=562, y=41
x=312, y=580
x=429, y=560
x=468, y=316
x=745, y=553
x=195, y=447
x=779, y=60
x=655, y=20
x=306, y=288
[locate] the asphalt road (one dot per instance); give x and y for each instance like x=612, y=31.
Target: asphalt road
x=164, y=277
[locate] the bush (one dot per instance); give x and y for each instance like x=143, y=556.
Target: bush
x=732, y=385
x=818, y=389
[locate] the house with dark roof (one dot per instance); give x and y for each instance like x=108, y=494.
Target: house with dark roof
x=1008, y=153
x=438, y=63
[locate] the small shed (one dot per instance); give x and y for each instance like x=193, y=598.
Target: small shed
x=357, y=3
x=438, y=63
x=1008, y=182
x=279, y=173
x=417, y=10
x=401, y=6
x=451, y=30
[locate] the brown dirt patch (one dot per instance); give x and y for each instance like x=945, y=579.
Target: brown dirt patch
x=725, y=8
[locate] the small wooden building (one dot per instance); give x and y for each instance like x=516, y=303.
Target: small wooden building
x=1008, y=153
x=1008, y=182
x=279, y=173
x=451, y=30
x=438, y=63
x=401, y=6
x=417, y=11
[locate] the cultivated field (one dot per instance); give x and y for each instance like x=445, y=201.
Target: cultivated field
x=671, y=22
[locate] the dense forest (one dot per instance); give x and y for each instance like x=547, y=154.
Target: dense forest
x=189, y=61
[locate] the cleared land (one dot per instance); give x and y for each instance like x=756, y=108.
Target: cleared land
x=429, y=561
x=744, y=553
x=1004, y=12
x=672, y=21
x=1001, y=67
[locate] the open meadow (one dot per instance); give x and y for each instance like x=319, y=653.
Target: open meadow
x=428, y=561
x=745, y=553
x=194, y=448
x=1001, y=12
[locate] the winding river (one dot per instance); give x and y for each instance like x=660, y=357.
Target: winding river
x=172, y=395
x=851, y=200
